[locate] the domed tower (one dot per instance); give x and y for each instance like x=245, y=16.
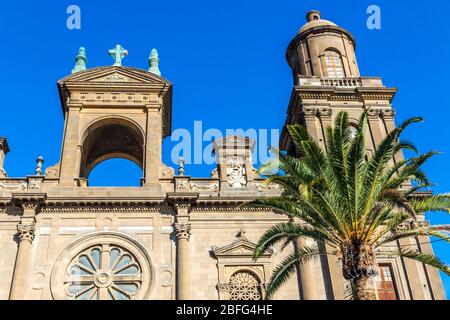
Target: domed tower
x=322, y=49
x=327, y=80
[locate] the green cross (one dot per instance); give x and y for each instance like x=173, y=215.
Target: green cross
x=118, y=53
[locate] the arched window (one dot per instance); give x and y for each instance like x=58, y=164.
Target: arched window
x=353, y=132
x=245, y=286
x=333, y=64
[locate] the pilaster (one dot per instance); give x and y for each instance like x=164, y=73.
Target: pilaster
x=182, y=202
x=30, y=203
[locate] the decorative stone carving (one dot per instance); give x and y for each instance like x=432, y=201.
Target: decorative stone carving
x=261, y=187
x=241, y=235
x=22, y=186
x=215, y=174
x=213, y=187
x=244, y=286
x=182, y=184
x=325, y=112
x=116, y=77
x=34, y=184
x=3, y=173
x=182, y=231
x=373, y=112
x=310, y=112
x=25, y=232
x=236, y=174
x=53, y=171
x=166, y=171
x=388, y=114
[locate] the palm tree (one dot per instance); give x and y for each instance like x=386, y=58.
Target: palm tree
x=352, y=203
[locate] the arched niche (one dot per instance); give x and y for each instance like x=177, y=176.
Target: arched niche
x=109, y=138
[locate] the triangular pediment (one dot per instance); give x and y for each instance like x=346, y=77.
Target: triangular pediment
x=114, y=75
x=241, y=247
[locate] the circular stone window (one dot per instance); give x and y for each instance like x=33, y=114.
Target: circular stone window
x=102, y=266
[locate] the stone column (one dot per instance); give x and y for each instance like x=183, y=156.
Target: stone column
x=20, y=281
x=182, y=199
x=305, y=275
x=183, y=233
x=30, y=203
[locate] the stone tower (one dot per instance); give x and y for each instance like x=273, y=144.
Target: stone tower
x=113, y=112
x=327, y=80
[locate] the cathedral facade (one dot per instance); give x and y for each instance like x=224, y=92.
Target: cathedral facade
x=176, y=236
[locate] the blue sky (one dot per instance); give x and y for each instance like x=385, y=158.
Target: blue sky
x=226, y=60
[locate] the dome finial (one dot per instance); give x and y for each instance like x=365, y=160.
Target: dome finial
x=80, y=61
x=153, y=62
x=313, y=15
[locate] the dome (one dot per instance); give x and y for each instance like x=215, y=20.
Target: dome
x=314, y=21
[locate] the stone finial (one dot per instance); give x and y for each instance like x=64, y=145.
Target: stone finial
x=40, y=162
x=313, y=15
x=241, y=234
x=80, y=60
x=118, y=53
x=181, y=166
x=153, y=63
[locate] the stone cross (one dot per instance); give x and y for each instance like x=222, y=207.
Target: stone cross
x=118, y=53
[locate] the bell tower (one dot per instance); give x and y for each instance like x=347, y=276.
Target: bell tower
x=113, y=112
x=327, y=80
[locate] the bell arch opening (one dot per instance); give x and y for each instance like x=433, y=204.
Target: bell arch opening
x=111, y=138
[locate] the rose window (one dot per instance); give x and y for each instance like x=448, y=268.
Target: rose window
x=105, y=272
x=244, y=286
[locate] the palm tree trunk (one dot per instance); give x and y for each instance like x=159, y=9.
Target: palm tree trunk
x=361, y=290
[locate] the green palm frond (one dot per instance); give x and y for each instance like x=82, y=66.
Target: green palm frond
x=425, y=258
x=435, y=203
x=286, y=232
